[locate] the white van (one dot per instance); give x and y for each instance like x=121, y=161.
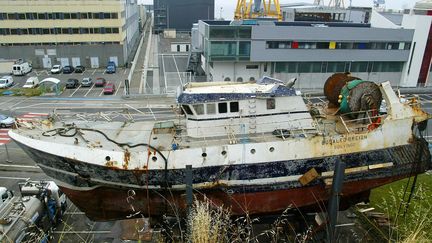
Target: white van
x=21, y=68
x=6, y=81
x=31, y=82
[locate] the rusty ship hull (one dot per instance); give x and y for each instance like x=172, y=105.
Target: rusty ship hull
x=102, y=192
x=256, y=148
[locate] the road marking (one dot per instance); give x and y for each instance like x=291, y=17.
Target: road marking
x=101, y=92
x=46, y=71
x=75, y=91
x=94, y=71
x=104, y=72
x=89, y=90
x=118, y=88
x=13, y=85
x=14, y=178
x=21, y=166
x=125, y=71
x=178, y=72
x=164, y=73
x=8, y=100
x=15, y=104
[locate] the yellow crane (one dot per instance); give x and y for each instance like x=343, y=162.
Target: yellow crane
x=251, y=9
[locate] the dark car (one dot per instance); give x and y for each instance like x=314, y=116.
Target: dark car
x=79, y=69
x=68, y=69
x=100, y=82
x=109, y=88
x=72, y=83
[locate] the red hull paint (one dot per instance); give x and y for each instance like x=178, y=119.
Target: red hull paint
x=103, y=203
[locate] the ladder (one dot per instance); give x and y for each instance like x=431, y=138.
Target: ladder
x=252, y=116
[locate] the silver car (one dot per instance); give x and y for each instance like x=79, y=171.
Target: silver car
x=86, y=82
x=6, y=121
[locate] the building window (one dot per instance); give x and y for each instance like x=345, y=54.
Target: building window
x=187, y=109
x=199, y=109
x=12, y=16
x=74, y=16
x=65, y=30
x=271, y=104
x=234, y=106
x=107, y=15
x=14, y=31
x=83, y=16
x=251, y=66
x=45, y=31
x=222, y=107
x=244, y=48
x=211, y=109
x=75, y=30
x=66, y=15
x=3, y=16
x=187, y=47
x=114, y=15
x=115, y=30
x=178, y=48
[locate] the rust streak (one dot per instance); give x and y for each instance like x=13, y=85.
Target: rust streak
x=126, y=159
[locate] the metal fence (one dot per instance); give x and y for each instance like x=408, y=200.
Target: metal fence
x=172, y=80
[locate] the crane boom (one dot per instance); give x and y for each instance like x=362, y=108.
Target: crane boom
x=270, y=9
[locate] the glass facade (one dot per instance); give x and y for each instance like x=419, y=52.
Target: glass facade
x=225, y=43
x=338, y=45
x=332, y=67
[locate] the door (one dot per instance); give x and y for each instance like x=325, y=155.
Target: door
x=94, y=62
x=76, y=61
x=46, y=62
x=64, y=61
x=115, y=60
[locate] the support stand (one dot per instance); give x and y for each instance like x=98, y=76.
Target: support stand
x=333, y=204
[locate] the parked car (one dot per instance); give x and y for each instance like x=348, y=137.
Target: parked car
x=109, y=88
x=56, y=69
x=6, y=82
x=31, y=82
x=72, y=83
x=6, y=121
x=111, y=67
x=86, y=82
x=68, y=69
x=79, y=69
x=100, y=82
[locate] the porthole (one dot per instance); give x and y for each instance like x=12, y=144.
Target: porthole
x=224, y=153
x=154, y=158
x=204, y=155
x=107, y=158
x=271, y=149
x=252, y=151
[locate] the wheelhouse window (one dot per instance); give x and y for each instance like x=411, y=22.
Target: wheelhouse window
x=223, y=107
x=187, y=109
x=234, y=106
x=211, y=109
x=271, y=104
x=199, y=109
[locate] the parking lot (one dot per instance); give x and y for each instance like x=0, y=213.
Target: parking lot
x=117, y=78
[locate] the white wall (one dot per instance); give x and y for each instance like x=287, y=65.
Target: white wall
x=421, y=25
x=233, y=71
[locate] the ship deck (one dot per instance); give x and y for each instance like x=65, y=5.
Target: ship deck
x=162, y=134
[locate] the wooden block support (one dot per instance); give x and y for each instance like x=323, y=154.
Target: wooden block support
x=309, y=176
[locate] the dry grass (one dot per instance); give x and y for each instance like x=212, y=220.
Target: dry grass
x=208, y=224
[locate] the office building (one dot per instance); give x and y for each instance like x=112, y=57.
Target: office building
x=69, y=32
x=180, y=15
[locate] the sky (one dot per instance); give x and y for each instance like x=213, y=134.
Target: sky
x=225, y=8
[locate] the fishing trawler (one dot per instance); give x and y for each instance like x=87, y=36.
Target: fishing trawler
x=256, y=148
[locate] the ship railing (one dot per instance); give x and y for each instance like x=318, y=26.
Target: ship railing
x=360, y=121
x=235, y=132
